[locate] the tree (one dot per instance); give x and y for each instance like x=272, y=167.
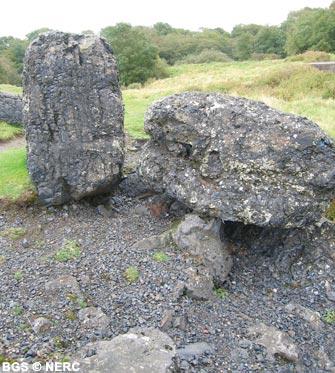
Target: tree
x=310, y=29
x=137, y=57
x=13, y=50
x=8, y=72
x=162, y=28
x=270, y=39
x=243, y=39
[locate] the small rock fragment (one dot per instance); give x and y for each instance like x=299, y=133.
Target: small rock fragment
x=62, y=285
x=275, y=341
x=166, y=321
x=41, y=325
x=330, y=293
x=199, y=285
x=203, y=242
x=310, y=316
x=138, y=351
x=194, y=350
x=93, y=318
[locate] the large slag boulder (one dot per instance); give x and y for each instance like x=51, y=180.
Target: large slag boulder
x=238, y=160
x=73, y=114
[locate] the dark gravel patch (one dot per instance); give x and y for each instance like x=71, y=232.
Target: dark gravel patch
x=259, y=287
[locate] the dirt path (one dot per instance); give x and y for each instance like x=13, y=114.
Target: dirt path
x=18, y=142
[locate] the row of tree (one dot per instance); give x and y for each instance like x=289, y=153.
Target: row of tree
x=144, y=52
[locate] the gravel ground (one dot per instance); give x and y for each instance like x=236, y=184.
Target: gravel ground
x=259, y=289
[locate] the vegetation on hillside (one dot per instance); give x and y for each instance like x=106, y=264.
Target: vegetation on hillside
x=14, y=179
x=143, y=52
x=137, y=56
x=8, y=88
x=290, y=86
x=9, y=131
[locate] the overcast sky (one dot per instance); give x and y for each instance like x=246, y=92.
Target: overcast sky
x=18, y=17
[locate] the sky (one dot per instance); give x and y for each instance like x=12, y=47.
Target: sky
x=19, y=17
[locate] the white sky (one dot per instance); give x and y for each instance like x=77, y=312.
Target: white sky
x=18, y=17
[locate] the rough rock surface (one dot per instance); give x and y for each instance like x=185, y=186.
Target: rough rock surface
x=239, y=160
x=205, y=248
x=10, y=108
x=73, y=114
x=93, y=318
x=203, y=243
x=139, y=350
x=275, y=341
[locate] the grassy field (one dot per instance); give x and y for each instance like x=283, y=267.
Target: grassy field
x=10, y=89
x=14, y=179
x=289, y=86
x=9, y=131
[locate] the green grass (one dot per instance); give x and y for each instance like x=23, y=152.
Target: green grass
x=329, y=317
x=294, y=87
x=290, y=86
x=17, y=310
x=9, y=131
x=131, y=274
x=70, y=250
x=221, y=293
x=14, y=179
x=10, y=89
x=18, y=276
x=13, y=233
x=160, y=256
x=330, y=214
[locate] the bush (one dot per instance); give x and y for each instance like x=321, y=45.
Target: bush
x=8, y=72
x=310, y=56
x=264, y=56
x=136, y=55
x=135, y=86
x=205, y=56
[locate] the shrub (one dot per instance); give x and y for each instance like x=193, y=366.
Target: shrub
x=310, y=56
x=8, y=72
x=136, y=55
x=205, y=56
x=264, y=56
x=135, y=86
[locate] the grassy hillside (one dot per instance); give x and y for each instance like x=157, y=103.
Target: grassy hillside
x=289, y=86
x=9, y=131
x=294, y=87
x=14, y=179
x=10, y=89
